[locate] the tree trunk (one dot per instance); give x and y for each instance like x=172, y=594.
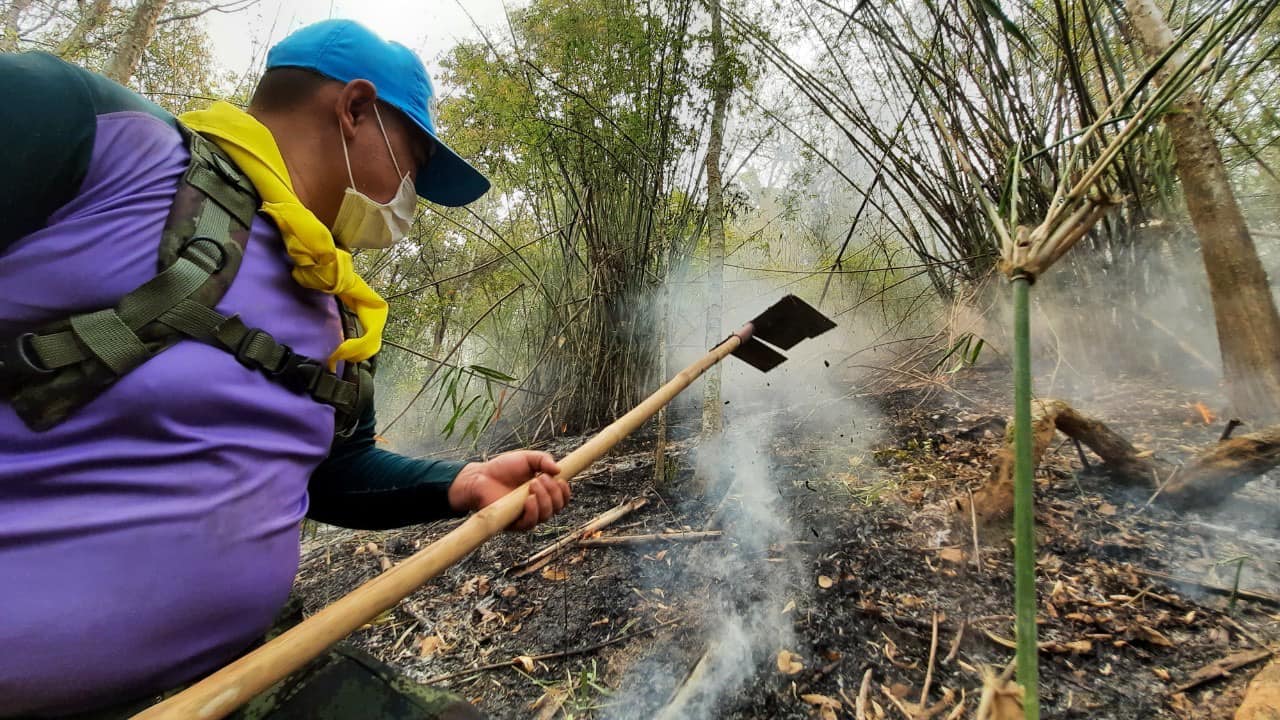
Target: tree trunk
x=660, y=441
x=142, y=26
x=1243, y=306
x=91, y=18
x=9, y=24
x=712, y=421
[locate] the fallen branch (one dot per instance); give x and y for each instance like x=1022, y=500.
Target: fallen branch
x=933, y=653
x=601, y=521
x=1213, y=475
x=1207, y=479
x=1221, y=668
x=514, y=662
x=1253, y=595
x=696, y=536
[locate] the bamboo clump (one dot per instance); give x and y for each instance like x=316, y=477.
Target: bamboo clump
x=1074, y=211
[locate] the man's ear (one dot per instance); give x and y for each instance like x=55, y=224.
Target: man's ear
x=355, y=106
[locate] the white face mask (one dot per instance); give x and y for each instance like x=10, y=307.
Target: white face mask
x=363, y=222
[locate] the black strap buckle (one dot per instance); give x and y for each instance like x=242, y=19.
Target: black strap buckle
x=301, y=374
x=19, y=357
x=296, y=372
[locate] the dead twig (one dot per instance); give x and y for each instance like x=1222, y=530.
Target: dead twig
x=817, y=676
x=973, y=526
x=550, y=656
x=603, y=520
x=1232, y=424
x=933, y=653
x=955, y=644
x=1221, y=668
x=1084, y=461
x=1253, y=595
x=994, y=690
x=680, y=698
x=906, y=713
x=692, y=536
x=1244, y=632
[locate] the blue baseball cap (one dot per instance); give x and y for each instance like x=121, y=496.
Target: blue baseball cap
x=346, y=50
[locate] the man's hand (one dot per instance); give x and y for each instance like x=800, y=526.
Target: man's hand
x=480, y=484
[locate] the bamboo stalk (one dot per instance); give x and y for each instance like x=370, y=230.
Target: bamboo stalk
x=1023, y=503
x=224, y=691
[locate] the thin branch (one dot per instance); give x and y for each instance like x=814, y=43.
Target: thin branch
x=229, y=8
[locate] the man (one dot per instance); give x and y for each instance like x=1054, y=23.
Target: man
x=162, y=438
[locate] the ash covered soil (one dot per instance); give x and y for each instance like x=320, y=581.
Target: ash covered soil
x=854, y=560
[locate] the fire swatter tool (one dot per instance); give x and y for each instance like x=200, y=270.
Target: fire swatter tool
x=781, y=327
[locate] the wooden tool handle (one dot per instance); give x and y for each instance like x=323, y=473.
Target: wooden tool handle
x=595, y=448
x=224, y=691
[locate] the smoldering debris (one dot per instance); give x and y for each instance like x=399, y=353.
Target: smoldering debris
x=743, y=621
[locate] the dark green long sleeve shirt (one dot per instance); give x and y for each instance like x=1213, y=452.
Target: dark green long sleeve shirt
x=363, y=486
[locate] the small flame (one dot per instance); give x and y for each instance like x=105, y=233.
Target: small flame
x=1205, y=413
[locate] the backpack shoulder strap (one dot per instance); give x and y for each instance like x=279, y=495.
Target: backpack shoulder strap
x=51, y=372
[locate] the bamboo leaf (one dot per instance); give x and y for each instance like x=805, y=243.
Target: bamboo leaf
x=491, y=373
x=992, y=9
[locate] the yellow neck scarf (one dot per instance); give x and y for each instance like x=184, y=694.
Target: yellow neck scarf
x=318, y=263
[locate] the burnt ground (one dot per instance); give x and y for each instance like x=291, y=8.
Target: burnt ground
x=873, y=554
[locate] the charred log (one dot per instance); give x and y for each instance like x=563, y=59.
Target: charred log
x=1213, y=475
x=1209, y=478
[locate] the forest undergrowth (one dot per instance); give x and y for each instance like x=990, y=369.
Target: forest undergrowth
x=873, y=573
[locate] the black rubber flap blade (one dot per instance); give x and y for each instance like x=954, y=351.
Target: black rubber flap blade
x=758, y=355
x=789, y=321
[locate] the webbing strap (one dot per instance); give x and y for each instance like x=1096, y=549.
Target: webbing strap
x=156, y=296
x=257, y=350
x=50, y=373
x=56, y=350
x=151, y=300
x=193, y=319
x=111, y=340
x=335, y=391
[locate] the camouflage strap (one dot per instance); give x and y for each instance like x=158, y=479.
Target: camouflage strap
x=50, y=373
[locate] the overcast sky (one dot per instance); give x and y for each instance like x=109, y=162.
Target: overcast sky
x=429, y=27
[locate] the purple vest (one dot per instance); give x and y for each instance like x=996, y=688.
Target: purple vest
x=153, y=535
